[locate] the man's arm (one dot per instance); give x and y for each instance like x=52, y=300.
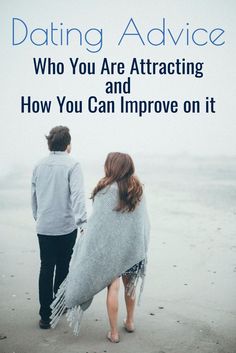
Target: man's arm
x=78, y=196
x=33, y=196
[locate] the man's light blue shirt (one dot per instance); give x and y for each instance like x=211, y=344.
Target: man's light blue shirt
x=58, y=198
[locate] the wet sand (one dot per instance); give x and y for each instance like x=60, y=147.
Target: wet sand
x=188, y=304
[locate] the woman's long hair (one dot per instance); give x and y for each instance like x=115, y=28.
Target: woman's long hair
x=119, y=167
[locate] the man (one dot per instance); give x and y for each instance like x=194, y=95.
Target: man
x=58, y=205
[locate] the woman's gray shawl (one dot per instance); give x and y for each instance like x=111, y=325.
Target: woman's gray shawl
x=113, y=243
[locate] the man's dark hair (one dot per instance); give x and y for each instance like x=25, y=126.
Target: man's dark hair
x=59, y=138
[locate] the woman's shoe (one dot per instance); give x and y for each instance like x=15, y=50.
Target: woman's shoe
x=112, y=339
x=128, y=328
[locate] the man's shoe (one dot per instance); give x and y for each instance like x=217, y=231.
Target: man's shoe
x=45, y=325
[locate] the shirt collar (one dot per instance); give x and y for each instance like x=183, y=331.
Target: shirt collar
x=59, y=152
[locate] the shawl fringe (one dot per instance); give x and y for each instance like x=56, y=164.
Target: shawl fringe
x=74, y=315
x=58, y=306
x=134, y=280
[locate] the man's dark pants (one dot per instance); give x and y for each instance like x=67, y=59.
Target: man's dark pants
x=55, y=255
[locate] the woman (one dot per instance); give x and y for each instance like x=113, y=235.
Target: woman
x=114, y=245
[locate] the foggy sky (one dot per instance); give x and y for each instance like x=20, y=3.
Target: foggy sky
x=22, y=136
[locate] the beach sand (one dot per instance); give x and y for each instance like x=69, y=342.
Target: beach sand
x=189, y=300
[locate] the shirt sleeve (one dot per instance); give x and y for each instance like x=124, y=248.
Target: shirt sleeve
x=78, y=196
x=33, y=195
